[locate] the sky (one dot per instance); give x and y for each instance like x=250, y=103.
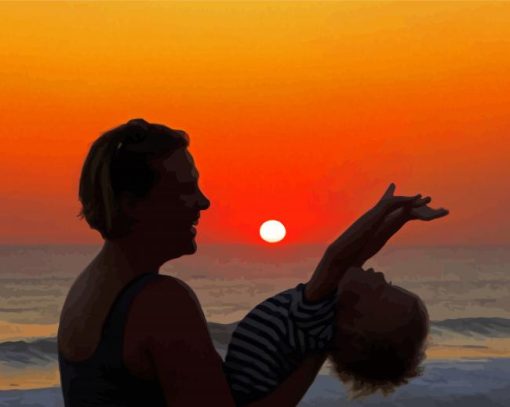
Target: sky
x=301, y=112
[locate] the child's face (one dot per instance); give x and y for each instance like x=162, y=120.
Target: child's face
x=366, y=302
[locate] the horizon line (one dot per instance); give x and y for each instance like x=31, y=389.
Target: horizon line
x=286, y=245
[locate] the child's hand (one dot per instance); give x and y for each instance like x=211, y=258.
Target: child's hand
x=389, y=202
x=427, y=213
x=417, y=209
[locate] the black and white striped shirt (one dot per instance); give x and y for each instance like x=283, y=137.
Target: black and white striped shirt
x=272, y=340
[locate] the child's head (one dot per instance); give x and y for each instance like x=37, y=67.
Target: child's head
x=380, y=336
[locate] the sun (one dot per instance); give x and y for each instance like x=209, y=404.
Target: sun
x=272, y=231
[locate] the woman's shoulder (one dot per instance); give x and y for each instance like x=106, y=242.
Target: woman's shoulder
x=168, y=311
x=168, y=287
x=165, y=297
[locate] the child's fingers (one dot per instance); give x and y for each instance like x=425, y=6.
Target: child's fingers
x=398, y=201
x=390, y=190
x=388, y=194
x=421, y=201
x=428, y=213
x=442, y=212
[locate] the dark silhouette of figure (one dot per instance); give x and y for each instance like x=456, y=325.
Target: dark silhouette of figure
x=129, y=336
x=379, y=330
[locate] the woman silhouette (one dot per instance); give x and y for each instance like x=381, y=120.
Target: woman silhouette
x=129, y=336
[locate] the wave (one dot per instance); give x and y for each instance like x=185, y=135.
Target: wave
x=38, y=351
x=484, y=327
x=44, y=350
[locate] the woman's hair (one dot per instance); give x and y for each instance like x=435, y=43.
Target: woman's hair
x=119, y=163
x=368, y=362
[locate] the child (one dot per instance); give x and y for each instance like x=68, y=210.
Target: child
x=374, y=332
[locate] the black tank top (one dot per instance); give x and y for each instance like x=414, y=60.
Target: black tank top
x=103, y=379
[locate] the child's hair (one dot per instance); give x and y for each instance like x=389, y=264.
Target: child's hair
x=368, y=362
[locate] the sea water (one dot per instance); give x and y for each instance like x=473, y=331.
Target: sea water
x=466, y=290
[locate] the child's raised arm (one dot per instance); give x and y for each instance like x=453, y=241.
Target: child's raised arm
x=393, y=223
x=348, y=249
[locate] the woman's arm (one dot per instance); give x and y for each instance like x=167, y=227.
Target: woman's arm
x=292, y=390
x=188, y=368
x=179, y=346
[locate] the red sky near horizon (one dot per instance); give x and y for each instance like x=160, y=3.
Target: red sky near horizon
x=302, y=112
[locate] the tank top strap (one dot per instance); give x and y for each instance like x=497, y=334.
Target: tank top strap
x=113, y=329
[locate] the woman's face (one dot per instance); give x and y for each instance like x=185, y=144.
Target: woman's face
x=366, y=302
x=171, y=211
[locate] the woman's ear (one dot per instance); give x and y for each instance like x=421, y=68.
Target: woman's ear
x=128, y=204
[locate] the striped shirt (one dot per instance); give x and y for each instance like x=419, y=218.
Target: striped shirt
x=272, y=340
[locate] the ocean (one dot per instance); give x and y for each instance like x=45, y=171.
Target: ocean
x=466, y=290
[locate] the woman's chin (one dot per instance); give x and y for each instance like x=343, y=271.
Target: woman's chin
x=189, y=246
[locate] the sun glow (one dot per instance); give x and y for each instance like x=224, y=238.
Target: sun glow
x=272, y=231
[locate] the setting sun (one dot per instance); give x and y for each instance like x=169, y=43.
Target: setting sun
x=272, y=231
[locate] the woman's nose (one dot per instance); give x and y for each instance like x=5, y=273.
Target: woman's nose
x=204, y=202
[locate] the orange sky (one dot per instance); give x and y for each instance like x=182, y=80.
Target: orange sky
x=302, y=112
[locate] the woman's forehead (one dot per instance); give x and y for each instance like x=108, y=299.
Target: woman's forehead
x=180, y=166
